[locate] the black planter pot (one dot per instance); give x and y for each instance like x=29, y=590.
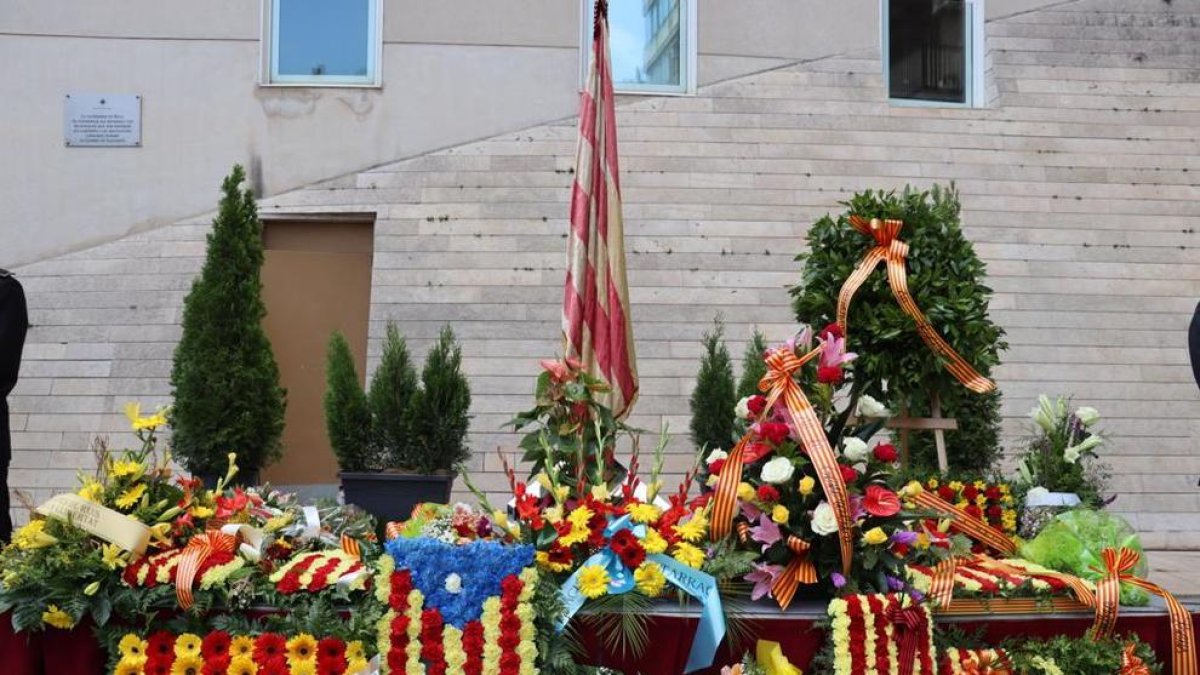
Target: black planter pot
x=244, y=478
x=391, y=496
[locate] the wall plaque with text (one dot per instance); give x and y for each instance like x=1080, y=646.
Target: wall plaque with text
x=102, y=120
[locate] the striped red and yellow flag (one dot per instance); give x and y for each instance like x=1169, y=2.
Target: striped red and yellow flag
x=596, y=322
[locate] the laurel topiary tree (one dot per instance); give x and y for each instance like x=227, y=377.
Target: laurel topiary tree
x=946, y=279
x=225, y=382
x=754, y=367
x=714, y=399
x=347, y=414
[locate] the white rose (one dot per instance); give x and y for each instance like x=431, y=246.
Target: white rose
x=854, y=450
x=715, y=455
x=453, y=583
x=824, y=520
x=1087, y=415
x=778, y=471
x=869, y=407
x=743, y=409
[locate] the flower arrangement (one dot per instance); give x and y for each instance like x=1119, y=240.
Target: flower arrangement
x=963, y=661
x=989, y=501
x=457, y=609
x=1061, y=457
x=986, y=577
x=220, y=653
x=314, y=571
x=878, y=634
x=455, y=524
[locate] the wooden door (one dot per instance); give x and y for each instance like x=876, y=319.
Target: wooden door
x=316, y=279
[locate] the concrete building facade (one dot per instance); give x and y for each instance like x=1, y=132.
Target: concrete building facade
x=1077, y=173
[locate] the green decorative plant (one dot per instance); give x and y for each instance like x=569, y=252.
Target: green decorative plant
x=438, y=417
x=392, y=389
x=946, y=279
x=1062, y=454
x=714, y=398
x=347, y=414
x=1066, y=655
x=753, y=366
x=225, y=382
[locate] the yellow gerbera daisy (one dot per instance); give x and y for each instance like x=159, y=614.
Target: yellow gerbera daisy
x=355, y=651
x=302, y=667
x=242, y=665
x=191, y=664
x=302, y=648
x=132, y=647
x=130, y=666
x=242, y=645
x=187, y=644
x=356, y=667
x=653, y=542
x=688, y=555
x=650, y=579
x=131, y=496
x=593, y=581
x=694, y=529
x=54, y=616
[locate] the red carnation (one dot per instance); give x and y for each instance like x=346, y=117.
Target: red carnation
x=829, y=374
x=214, y=645
x=768, y=493
x=947, y=493
x=160, y=644
x=756, y=405
x=970, y=492
x=886, y=452
x=849, y=475
x=881, y=502
x=974, y=511
x=511, y=585
x=773, y=432
x=268, y=647
x=715, y=466
x=993, y=493
x=831, y=330
x=994, y=512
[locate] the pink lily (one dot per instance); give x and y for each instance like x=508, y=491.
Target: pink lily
x=763, y=577
x=766, y=532
x=834, y=354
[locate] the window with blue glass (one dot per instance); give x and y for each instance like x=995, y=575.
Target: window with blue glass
x=334, y=42
x=652, y=44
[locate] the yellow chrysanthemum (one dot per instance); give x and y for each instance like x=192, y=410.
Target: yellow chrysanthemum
x=592, y=581
x=580, y=516
x=644, y=513
x=653, y=542
x=131, y=496
x=130, y=666
x=33, y=535
x=242, y=645
x=132, y=647
x=694, y=529
x=53, y=616
x=650, y=579
x=302, y=648
x=114, y=557
x=187, y=644
x=191, y=664
x=355, y=651
x=688, y=555
x=92, y=491
x=242, y=665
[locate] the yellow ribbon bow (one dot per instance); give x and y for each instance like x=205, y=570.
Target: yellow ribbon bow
x=890, y=249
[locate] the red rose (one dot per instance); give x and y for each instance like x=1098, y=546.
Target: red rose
x=215, y=644
x=886, y=452
x=831, y=330
x=768, y=493
x=993, y=494
x=756, y=405
x=974, y=511
x=947, y=493
x=849, y=475
x=715, y=466
x=881, y=502
x=269, y=646
x=970, y=492
x=829, y=374
x=773, y=432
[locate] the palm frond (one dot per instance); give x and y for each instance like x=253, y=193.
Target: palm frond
x=621, y=622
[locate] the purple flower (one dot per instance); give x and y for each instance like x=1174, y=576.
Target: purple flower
x=750, y=511
x=906, y=537
x=763, y=577
x=858, y=512
x=917, y=596
x=766, y=532
x=837, y=579
x=894, y=583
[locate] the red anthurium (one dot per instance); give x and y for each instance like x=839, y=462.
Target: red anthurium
x=881, y=502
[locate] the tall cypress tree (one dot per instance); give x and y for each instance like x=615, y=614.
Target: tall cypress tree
x=347, y=413
x=225, y=381
x=392, y=389
x=753, y=366
x=713, y=400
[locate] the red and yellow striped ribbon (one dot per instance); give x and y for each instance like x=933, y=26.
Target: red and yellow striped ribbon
x=1118, y=565
x=799, y=570
x=890, y=249
x=350, y=545
x=198, y=549
x=961, y=521
x=393, y=530
x=1082, y=593
x=779, y=384
x=941, y=584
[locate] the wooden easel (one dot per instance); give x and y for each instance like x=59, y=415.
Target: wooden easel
x=935, y=422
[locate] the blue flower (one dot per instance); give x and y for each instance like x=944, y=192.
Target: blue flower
x=482, y=565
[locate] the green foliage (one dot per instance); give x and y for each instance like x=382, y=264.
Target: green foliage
x=1062, y=454
x=225, y=382
x=438, y=412
x=392, y=389
x=945, y=278
x=714, y=398
x=974, y=448
x=753, y=366
x=347, y=414
x=1074, y=656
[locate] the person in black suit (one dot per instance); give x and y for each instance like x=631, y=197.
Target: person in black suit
x=14, y=322
x=1194, y=344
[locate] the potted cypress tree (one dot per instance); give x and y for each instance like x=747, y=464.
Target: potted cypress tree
x=224, y=380
x=397, y=446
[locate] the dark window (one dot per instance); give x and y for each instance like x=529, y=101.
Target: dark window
x=927, y=50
